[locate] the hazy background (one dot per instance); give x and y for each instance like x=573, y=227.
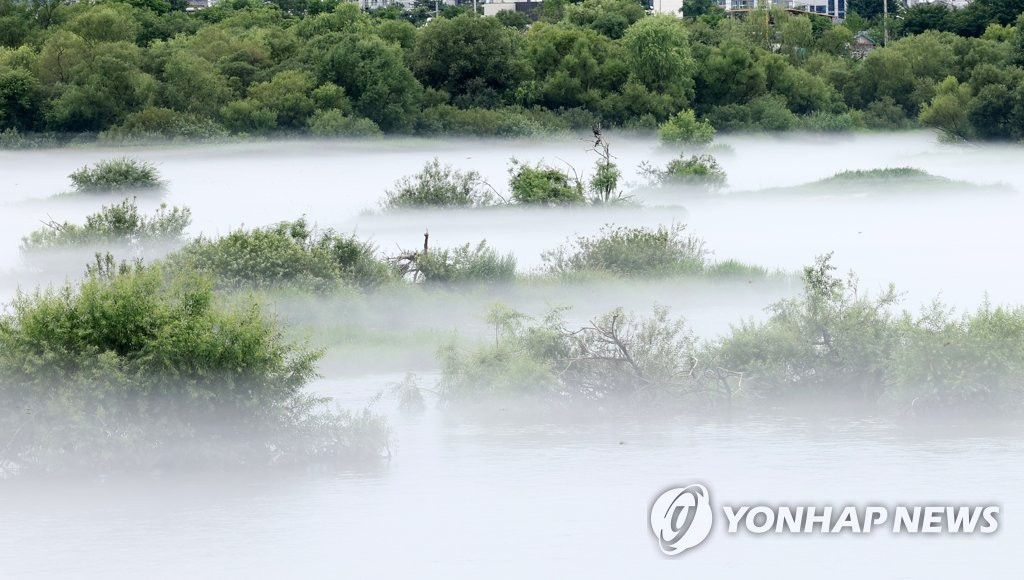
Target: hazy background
x=508, y=498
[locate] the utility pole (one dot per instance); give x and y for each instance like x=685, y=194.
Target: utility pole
x=885, y=22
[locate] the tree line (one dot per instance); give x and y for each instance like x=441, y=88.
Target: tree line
x=149, y=69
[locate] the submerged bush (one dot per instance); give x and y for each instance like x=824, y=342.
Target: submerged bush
x=116, y=175
x=133, y=367
x=942, y=361
x=831, y=341
x=466, y=264
x=113, y=224
x=685, y=128
x=543, y=184
x=615, y=356
x=624, y=251
x=289, y=254
x=439, y=186
x=698, y=171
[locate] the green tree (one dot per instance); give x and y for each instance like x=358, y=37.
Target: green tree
x=948, y=111
x=475, y=60
x=657, y=52
x=374, y=76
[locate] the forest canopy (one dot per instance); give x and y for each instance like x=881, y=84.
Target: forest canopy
x=143, y=70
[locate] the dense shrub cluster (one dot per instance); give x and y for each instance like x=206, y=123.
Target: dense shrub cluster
x=116, y=175
x=133, y=367
x=697, y=171
x=137, y=71
x=439, y=186
x=289, y=254
x=466, y=264
x=664, y=251
x=114, y=224
x=541, y=184
x=830, y=344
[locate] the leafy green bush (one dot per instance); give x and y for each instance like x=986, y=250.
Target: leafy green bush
x=132, y=367
x=542, y=184
x=698, y=171
x=825, y=122
x=117, y=175
x=439, y=186
x=615, y=356
x=466, y=264
x=831, y=341
x=624, y=251
x=943, y=362
x=334, y=123
x=684, y=127
x=155, y=123
x=289, y=254
x=114, y=224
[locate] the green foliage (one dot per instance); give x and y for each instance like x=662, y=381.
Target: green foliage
x=829, y=341
x=684, y=127
x=154, y=123
x=289, y=254
x=624, y=251
x=142, y=70
x=117, y=175
x=943, y=362
x=543, y=184
x=698, y=171
x=114, y=224
x=615, y=357
x=334, y=123
x=134, y=368
x=948, y=111
x=466, y=264
x=438, y=186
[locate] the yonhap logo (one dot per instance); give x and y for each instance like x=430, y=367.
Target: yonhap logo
x=681, y=518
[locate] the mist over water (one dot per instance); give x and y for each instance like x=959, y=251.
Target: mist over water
x=509, y=497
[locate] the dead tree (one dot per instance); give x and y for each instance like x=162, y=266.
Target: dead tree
x=407, y=263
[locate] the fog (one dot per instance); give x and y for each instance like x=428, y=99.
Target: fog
x=505, y=495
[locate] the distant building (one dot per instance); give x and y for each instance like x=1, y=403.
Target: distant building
x=862, y=44
x=673, y=7
x=834, y=9
x=530, y=9
x=950, y=3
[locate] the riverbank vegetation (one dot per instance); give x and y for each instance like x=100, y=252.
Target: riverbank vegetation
x=832, y=344
x=136, y=367
x=135, y=72
x=120, y=224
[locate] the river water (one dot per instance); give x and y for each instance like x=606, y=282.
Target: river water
x=515, y=497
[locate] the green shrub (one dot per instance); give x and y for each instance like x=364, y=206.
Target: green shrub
x=942, y=362
x=334, y=123
x=697, y=171
x=289, y=254
x=500, y=122
x=466, y=264
x=831, y=341
x=155, y=123
x=824, y=122
x=624, y=251
x=117, y=175
x=542, y=184
x=134, y=368
x=439, y=186
x=615, y=356
x=684, y=127
x=114, y=224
